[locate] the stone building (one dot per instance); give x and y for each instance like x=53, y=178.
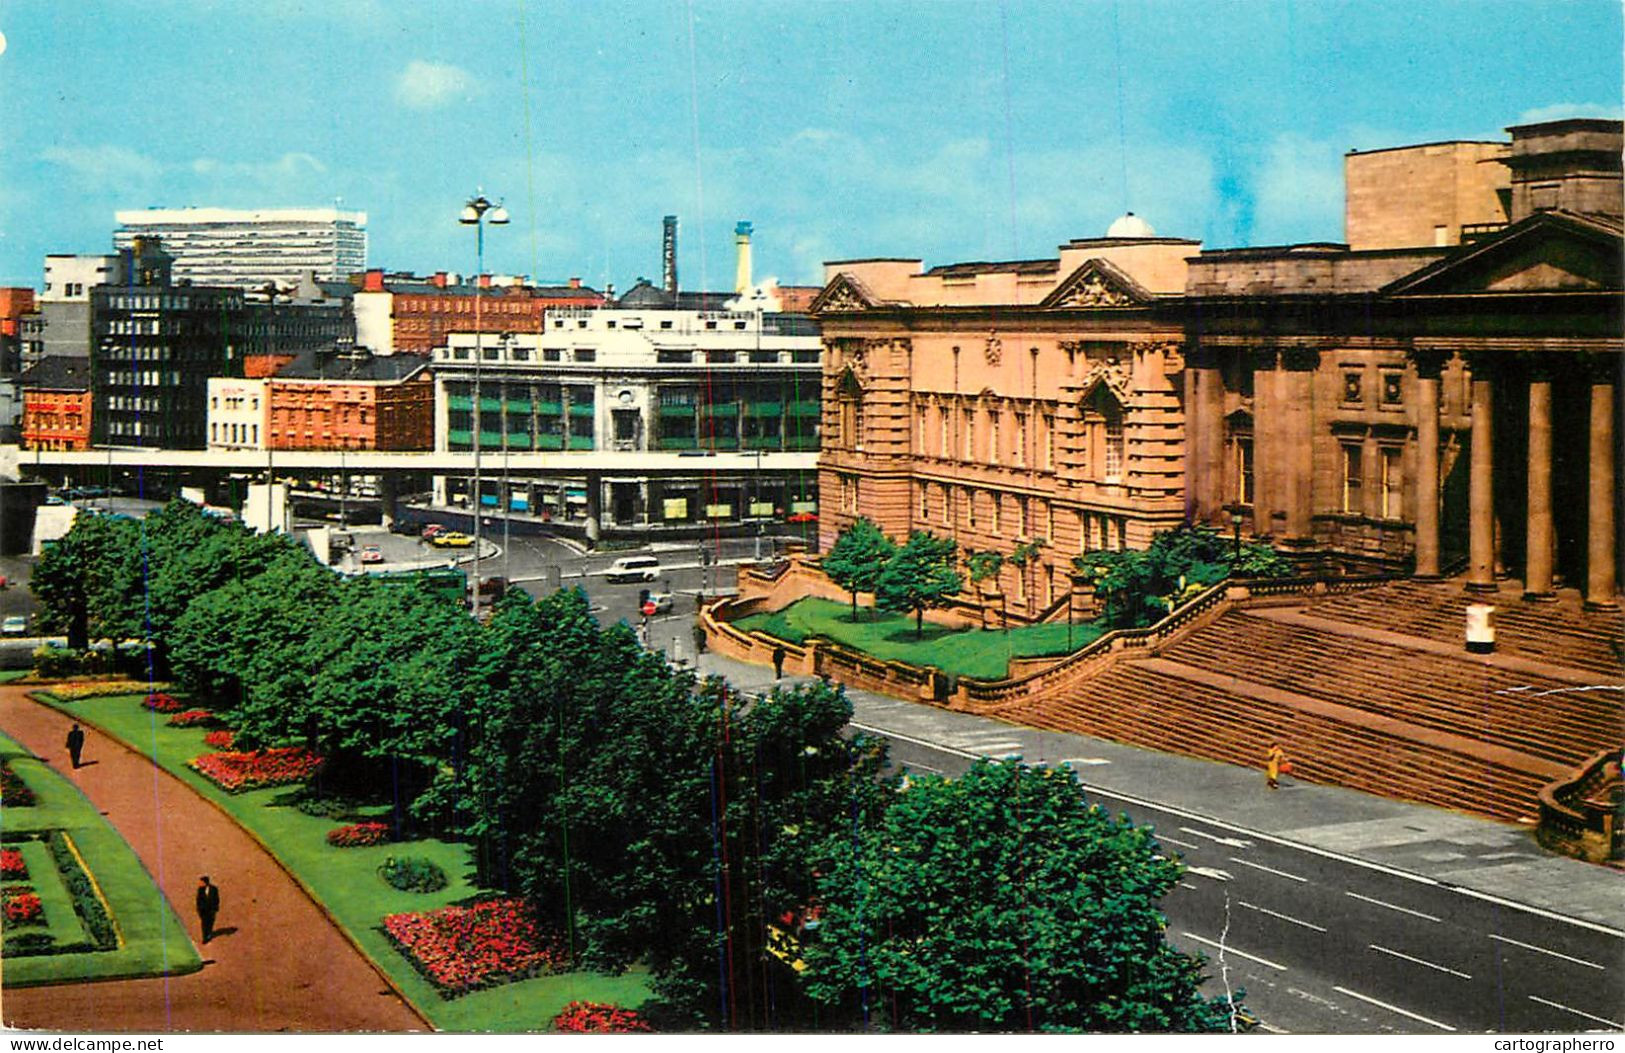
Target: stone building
x=997, y=403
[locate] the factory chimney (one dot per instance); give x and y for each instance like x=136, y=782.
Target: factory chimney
x=668, y=259
x=742, y=245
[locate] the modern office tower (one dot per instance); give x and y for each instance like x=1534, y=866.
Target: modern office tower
x=252, y=248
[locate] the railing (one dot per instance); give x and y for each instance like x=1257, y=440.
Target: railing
x=1579, y=812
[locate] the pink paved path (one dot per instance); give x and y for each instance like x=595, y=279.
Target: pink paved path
x=286, y=967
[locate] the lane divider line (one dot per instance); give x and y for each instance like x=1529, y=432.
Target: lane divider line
x=1364, y=864
x=1418, y=961
x=1393, y=1008
x=1230, y=842
x=1616, y=1025
x=1391, y=906
x=1227, y=949
x=1177, y=841
x=1270, y=870
x=1543, y=950
x=1283, y=917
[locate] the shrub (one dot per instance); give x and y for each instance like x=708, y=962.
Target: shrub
x=220, y=739
x=87, y=902
x=25, y=944
x=51, y=662
x=412, y=874
x=194, y=718
x=236, y=772
x=76, y=692
x=358, y=835
x=159, y=702
x=14, y=793
x=324, y=807
x=12, y=867
x=599, y=1018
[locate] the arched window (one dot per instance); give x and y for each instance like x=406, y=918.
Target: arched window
x=850, y=396
x=1105, y=444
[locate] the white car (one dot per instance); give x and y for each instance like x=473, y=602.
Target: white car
x=662, y=602
x=632, y=568
x=14, y=625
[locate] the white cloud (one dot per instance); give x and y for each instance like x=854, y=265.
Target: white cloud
x=1298, y=192
x=1559, y=110
x=427, y=85
x=288, y=166
x=104, y=166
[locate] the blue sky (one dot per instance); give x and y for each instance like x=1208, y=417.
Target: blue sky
x=949, y=131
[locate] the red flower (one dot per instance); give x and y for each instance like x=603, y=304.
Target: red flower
x=463, y=949
x=159, y=702
x=358, y=834
x=235, y=772
x=14, y=793
x=220, y=740
x=12, y=866
x=192, y=718
x=599, y=1018
x=21, y=908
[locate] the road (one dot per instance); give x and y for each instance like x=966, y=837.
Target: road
x=1322, y=943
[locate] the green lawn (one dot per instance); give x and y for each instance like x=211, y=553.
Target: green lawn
x=154, y=941
x=346, y=882
x=980, y=653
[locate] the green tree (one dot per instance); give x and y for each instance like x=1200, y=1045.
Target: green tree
x=1138, y=588
x=919, y=577
x=1003, y=901
x=89, y=581
x=856, y=559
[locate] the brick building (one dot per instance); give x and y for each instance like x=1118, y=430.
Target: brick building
x=336, y=399
x=57, y=404
x=402, y=313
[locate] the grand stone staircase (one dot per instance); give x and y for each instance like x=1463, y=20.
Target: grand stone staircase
x=1371, y=690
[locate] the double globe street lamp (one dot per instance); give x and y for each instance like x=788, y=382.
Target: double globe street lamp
x=477, y=213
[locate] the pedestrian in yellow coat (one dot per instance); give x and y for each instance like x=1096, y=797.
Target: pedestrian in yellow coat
x=1273, y=764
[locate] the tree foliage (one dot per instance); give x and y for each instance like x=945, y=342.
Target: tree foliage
x=919, y=577
x=1138, y=588
x=856, y=559
x=1003, y=901
x=89, y=581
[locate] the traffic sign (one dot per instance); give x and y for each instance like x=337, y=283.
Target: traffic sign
x=648, y=608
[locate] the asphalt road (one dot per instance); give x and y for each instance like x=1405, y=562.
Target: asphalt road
x=1324, y=944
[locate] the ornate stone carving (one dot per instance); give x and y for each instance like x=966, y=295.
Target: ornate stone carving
x=994, y=349
x=1092, y=291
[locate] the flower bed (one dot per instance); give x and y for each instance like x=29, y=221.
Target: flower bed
x=463, y=949
x=235, y=772
x=79, y=690
x=599, y=1018
x=12, y=867
x=220, y=739
x=194, y=718
x=358, y=834
x=14, y=793
x=22, y=907
x=159, y=702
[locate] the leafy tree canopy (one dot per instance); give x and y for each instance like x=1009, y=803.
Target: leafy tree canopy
x=919, y=577
x=1003, y=901
x=1138, y=588
x=856, y=559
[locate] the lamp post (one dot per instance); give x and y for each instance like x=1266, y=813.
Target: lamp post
x=1237, y=512
x=477, y=213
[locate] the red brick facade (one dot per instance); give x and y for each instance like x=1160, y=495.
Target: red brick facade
x=56, y=420
x=352, y=415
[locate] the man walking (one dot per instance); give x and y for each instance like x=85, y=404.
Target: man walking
x=208, y=905
x=76, y=743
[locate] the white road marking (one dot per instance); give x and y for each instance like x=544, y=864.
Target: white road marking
x=1283, y=917
x=1226, y=949
x=1231, y=841
x=1543, y=950
x=1269, y=870
x=1616, y=1025
x=1176, y=841
x=1390, y=906
x=990, y=748
x=1210, y=872
x=1393, y=1008
x=1419, y=961
x=911, y=765
x=1092, y=761
x=1187, y=884
x=1324, y=853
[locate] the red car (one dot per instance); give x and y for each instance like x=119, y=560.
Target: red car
x=432, y=531
x=802, y=517
x=372, y=554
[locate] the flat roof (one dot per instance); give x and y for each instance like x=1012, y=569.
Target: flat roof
x=147, y=216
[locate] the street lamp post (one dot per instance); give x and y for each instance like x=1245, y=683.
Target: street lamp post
x=1237, y=512
x=477, y=213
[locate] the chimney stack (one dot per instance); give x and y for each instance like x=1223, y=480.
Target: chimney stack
x=742, y=245
x=668, y=258
x=438, y=280
x=373, y=281
x=575, y=283
x=485, y=281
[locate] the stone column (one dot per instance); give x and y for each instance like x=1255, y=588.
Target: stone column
x=1538, y=551
x=1601, y=584
x=1267, y=427
x=1481, y=484
x=1298, y=461
x=1204, y=451
x=1428, y=367
x=388, y=497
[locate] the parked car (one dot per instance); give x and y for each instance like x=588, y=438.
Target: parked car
x=802, y=517
x=633, y=568
x=372, y=554
x=451, y=539
x=431, y=531
x=14, y=625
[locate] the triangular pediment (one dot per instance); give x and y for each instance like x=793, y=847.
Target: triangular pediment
x=850, y=386
x=1546, y=253
x=1097, y=283
x=1104, y=381
x=843, y=293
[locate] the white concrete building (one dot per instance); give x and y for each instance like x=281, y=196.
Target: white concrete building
x=250, y=248
x=239, y=413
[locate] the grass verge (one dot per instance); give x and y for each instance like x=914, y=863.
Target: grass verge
x=153, y=941
x=346, y=882
x=980, y=653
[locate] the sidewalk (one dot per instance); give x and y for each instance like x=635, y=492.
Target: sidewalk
x=1495, y=859
x=276, y=964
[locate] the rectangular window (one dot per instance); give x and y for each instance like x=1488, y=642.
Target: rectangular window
x=1114, y=449
x=1244, y=471
x=925, y=500
x=1393, y=484
x=1353, y=465
x=1021, y=510
x=920, y=418
x=1393, y=389
x=970, y=435
x=993, y=442
x=1351, y=387
x=1048, y=442
x=997, y=501
x=1083, y=533
x=945, y=424
x=970, y=508
x=1020, y=452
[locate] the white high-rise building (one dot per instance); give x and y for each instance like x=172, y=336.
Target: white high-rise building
x=249, y=248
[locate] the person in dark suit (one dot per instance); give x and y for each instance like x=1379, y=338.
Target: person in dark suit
x=76, y=743
x=208, y=906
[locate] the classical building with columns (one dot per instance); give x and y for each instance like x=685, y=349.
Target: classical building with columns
x=1441, y=398
x=1427, y=408
x=1008, y=403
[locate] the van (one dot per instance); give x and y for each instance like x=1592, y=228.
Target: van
x=632, y=568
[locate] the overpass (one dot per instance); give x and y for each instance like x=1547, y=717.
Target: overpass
x=44, y=463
